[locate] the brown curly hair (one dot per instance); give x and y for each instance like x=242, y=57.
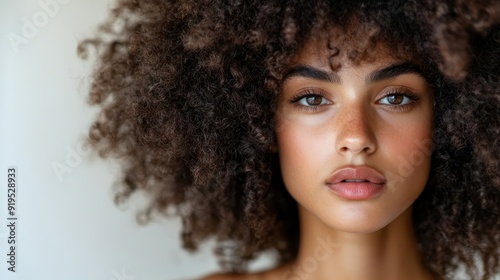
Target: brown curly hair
x=188, y=90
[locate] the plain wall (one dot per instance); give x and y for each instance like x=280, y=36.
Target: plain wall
x=68, y=226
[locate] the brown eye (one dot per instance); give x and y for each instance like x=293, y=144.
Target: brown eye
x=314, y=100
x=310, y=100
x=395, y=99
x=398, y=99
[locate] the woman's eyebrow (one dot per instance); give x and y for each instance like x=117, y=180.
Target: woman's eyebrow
x=312, y=73
x=394, y=70
x=332, y=77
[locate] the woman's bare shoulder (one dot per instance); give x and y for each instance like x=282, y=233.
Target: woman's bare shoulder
x=227, y=277
x=271, y=274
x=217, y=277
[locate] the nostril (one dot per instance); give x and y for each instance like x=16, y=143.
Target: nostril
x=356, y=141
x=357, y=147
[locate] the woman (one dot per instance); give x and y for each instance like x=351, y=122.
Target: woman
x=356, y=140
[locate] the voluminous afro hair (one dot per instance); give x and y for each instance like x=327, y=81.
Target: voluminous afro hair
x=188, y=90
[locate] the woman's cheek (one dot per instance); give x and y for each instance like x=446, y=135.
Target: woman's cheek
x=293, y=157
x=409, y=153
x=304, y=151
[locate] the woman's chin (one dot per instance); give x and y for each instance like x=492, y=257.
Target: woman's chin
x=364, y=222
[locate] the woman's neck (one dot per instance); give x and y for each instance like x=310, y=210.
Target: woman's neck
x=326, y=254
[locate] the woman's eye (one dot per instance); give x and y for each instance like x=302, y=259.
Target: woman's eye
x=312, y=100
x=396, y=99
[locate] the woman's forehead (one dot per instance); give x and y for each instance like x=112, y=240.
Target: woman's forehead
x=317, y=53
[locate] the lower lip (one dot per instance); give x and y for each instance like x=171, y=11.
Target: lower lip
x=356, y=191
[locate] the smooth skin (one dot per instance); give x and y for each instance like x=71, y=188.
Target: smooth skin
x=377, y=115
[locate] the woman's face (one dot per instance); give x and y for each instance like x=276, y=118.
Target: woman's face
x=354, y=144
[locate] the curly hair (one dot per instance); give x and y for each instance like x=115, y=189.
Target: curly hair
x=188, y=92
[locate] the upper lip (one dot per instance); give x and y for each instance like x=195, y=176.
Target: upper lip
x=364, y=173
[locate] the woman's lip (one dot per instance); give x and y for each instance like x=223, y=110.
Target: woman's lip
x=372, y=185
x=356, y=173
x=356, y=191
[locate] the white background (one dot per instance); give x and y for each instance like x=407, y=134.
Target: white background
x=68, y=227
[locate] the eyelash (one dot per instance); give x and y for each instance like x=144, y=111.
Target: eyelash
x=307, y=93
x=401, y=92
x=398, y=92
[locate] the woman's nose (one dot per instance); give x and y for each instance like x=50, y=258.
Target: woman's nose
x=355, y=131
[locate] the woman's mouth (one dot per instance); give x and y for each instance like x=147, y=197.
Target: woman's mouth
x=356, y=183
